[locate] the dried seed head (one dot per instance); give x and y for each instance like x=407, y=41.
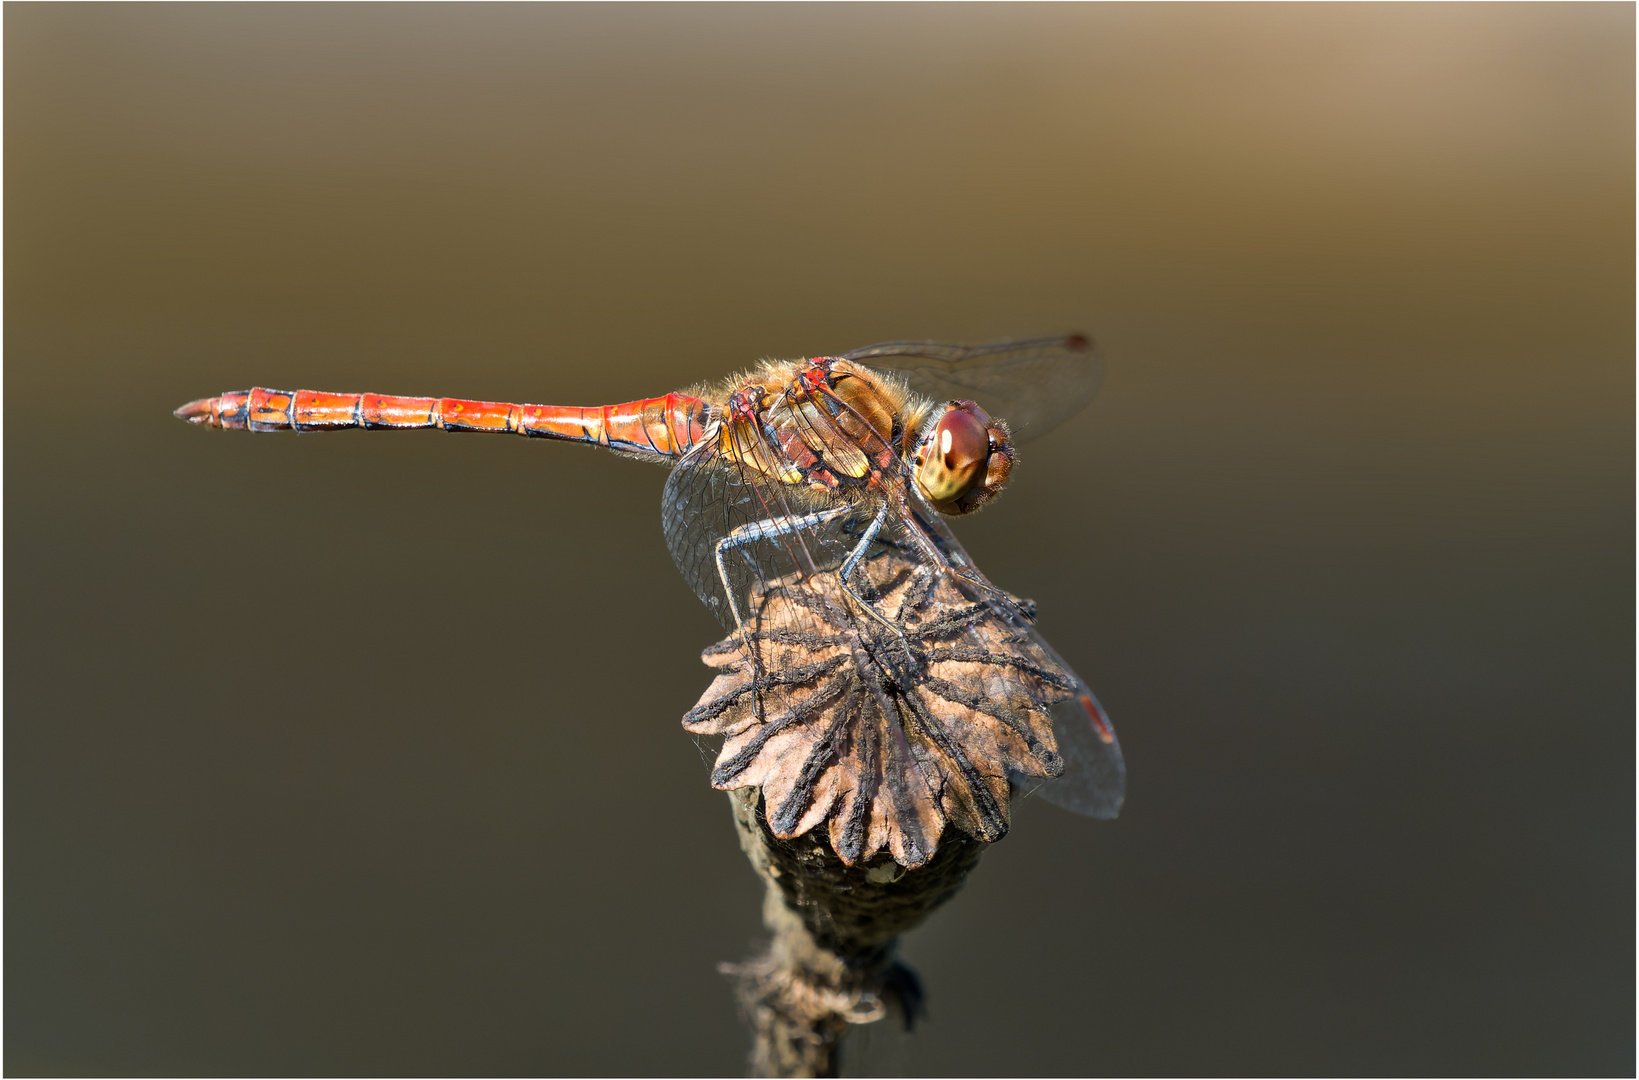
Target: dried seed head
x=883, y=734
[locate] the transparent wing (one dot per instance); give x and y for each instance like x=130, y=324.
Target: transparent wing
x=706, y=499
x=1094, y=780
x=734, y=532
x=1034, y=385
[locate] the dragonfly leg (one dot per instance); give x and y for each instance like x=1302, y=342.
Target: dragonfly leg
x=750, y=533
x=775, y=527
x=851, y=563
x=921, y=537
x=765, y=530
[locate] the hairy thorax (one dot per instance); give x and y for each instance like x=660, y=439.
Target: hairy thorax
x=830, y=427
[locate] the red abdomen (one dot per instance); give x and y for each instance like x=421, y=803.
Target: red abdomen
x=664, y=427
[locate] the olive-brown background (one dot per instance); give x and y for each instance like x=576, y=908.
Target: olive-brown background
x=360, y=753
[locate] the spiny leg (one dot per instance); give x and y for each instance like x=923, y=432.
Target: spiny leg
x=921, y=538
x=770, y=529
x=851, y=563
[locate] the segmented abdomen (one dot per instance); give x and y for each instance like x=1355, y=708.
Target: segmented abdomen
x=664, y=426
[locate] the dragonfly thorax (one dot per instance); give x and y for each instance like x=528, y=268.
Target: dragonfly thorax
x=963, y=459
x=823, y=424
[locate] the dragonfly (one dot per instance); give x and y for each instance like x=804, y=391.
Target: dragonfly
x=874, y=682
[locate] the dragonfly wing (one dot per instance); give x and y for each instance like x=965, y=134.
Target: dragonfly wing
x=1034, y=385
x=733, y=531
x=1094, y=780
x=704, y=502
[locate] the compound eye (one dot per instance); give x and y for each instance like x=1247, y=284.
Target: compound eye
x=955, y=460
x=963, y=440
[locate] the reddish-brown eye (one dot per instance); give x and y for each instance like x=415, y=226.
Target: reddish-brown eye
x=955, y=455
x=1000, y=464
x=963, y=441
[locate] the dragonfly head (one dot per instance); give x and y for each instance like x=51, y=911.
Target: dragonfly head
x=963, y=459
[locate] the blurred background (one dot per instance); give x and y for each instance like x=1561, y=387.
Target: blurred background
x=360, y=754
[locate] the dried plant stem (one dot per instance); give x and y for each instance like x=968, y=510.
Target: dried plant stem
x=835, y=930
